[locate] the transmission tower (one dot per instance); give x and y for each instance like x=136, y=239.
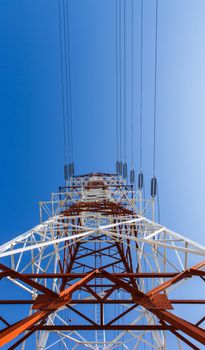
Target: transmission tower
x=96, y=273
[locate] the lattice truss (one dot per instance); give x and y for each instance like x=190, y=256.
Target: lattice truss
x=97, y=274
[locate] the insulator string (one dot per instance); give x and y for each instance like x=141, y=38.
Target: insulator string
x=155, y=88
x=158, y=205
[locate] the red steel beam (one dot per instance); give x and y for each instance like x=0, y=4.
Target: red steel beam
x=185, y=340
x=81, y=275
x=16, y=329
x=77, y=285
x=180, y=336
x=190, y=329
x=81, y=315
x=29, y=282
x=122, y=314
x=26, y=336
x=104, y=301
x=122, y=284
x=45, y=304
x=176, y=279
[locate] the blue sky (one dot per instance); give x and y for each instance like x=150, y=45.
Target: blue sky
x=31, y=132
x=31, y=136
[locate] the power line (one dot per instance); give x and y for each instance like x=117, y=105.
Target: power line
x=117, y=83
x=141, y=87
x=120, y=80
x=66, y=77
x=155, y=88
x=69, y=82
x=132, y=90
x=125, y=141
x=62, y=84
x=155, y=108
x=154, y=185
x=140, y=175
x=64, y=35
x=120, y=89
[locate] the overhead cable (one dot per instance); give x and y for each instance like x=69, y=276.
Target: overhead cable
x=132, y=172
x=125, y=155
x=132, y=91
x=69, y=81
x=141, y=85
x=125, y=106
x=63, y=13
x=140, y=175
x=65, y=134
x=66, y=75
x=154, y=179
x=120, y=88
x=117, y=85
x=155, y=88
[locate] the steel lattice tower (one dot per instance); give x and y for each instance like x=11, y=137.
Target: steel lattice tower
x=96, y=273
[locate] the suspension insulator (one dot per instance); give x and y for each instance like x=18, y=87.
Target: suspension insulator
x=132, y=176
x=120, y=168
x=72, y=169
x=66, y=172
x=140, y=181
x=117, y=166
x=154, y=187
x=125, y=170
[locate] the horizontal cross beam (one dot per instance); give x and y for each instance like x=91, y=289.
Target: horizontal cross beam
x=109, y=301
x=106, y=327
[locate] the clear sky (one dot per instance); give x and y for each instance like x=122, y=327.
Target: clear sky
x=31, y=134
x=31, y=129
